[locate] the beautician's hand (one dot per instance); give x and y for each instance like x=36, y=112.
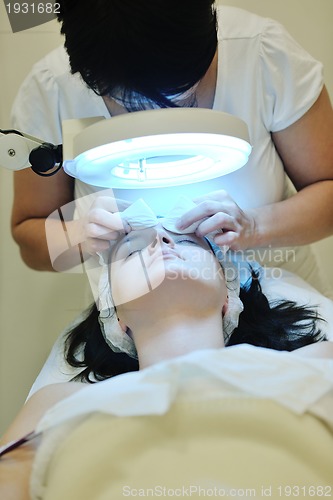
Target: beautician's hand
x=71, y=241
x=217, y=211
x=103, y=223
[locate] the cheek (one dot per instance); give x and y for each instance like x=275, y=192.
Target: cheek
x=135, y=277
x=210, y=271
x=128, y=281
x=224, y=294
x=221, y=284
x=203, y=264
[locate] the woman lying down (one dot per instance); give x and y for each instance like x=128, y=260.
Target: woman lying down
x=185, y=405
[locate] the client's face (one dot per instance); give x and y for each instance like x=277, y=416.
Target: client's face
x=144, y=260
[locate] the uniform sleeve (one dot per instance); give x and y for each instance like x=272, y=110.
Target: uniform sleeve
x=292, y=79
x=36, y=107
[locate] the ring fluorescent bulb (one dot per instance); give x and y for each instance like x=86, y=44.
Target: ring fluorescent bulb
x=156, y=148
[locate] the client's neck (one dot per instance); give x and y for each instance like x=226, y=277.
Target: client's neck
x=175, y=335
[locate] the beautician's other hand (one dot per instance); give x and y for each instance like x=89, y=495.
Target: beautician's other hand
x=103, y=223
x=217, y=211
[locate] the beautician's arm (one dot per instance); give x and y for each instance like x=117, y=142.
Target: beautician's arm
x=306, y=148
x=35, y=198
x=15, y=468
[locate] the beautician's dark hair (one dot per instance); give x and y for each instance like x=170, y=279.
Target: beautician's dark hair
x=283, y=326
x=154, y=48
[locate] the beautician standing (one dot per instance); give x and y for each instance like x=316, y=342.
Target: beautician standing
x=138, y=55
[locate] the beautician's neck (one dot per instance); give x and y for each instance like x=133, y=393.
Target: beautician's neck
x=177, y=335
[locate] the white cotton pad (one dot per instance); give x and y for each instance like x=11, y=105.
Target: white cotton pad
x=182, y=206
x=139, y=215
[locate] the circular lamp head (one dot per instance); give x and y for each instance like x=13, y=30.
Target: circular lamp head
x=159, y=148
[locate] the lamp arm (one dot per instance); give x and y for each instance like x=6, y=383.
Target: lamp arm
x=19, y=151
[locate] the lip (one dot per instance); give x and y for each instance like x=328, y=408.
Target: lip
x=170, y=254
x=164, y=255
x=167, y=256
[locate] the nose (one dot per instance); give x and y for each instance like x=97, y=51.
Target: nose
x=163, y=238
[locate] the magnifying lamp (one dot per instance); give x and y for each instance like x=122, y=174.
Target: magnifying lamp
x=179, y=150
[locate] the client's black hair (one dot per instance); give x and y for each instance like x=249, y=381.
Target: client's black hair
x=85, y=347
x=283, y=326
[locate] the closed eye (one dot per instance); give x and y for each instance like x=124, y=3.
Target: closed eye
x=133, y=252
x=188, y=242
x=130, y=247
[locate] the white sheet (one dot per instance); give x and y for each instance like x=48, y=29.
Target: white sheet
x=239, y=371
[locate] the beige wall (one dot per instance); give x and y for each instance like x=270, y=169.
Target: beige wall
x=34, y=306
